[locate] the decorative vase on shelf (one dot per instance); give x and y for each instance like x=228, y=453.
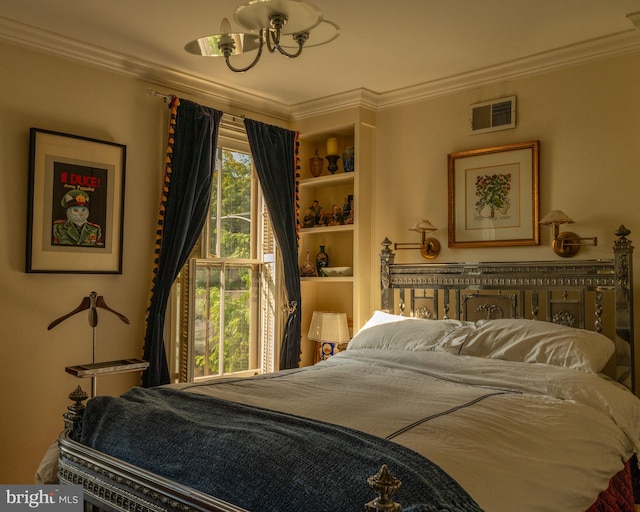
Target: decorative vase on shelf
x=316, y=162
x=307, y=269
x=333, y=163
x=322, y=261
x=348, y=161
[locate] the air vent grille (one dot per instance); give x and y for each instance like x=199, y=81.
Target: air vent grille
x=493, y=115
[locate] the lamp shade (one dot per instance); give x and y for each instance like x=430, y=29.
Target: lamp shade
x=424, y=226
x=556, y=217
x=329, y=327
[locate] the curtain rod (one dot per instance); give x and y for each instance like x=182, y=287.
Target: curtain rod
x=167, y=97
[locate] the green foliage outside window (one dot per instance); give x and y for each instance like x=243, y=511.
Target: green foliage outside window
x=231, y=202
x=229, y=238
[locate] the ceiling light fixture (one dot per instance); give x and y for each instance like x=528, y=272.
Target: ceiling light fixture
x=282, y=25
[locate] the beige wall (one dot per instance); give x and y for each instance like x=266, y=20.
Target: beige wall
x=57, y=94
x=585, y=117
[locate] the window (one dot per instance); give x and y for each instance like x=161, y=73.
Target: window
x=226, y=293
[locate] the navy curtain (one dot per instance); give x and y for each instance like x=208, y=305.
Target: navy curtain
x=193, y=134
x=275, y=151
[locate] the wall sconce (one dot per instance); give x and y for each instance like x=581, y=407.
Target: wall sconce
x=565, y=244
x=429, y=247
x=330, y=330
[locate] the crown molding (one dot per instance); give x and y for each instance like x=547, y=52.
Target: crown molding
x=605, y=47
x=235, y=99
x=337, y=102
x=48, y=42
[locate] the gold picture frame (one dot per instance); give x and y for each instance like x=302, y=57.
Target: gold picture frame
x=75, y=214
x=493, y=196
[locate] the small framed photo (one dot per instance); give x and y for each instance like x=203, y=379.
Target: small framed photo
x=493, y=196
x=75, y=213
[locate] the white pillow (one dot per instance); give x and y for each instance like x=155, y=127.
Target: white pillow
x=385, y=332
x=532, y=341
x=382, y=317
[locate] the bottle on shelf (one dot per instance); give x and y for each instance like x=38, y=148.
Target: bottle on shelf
x=322, y=261
x=307, y=269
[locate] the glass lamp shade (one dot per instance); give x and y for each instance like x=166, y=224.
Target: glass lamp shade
x=424, y=226
x=300, y=16
x=329, y=327
x=556, y=217
x=209, y=46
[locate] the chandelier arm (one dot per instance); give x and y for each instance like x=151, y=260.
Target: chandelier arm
x=300, y=38
x=269, y=34
x=276, y=23
x=255, y=61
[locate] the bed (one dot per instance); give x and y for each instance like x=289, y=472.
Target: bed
x=474, y=387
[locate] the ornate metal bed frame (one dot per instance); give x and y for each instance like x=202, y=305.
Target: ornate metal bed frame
x=112, y=485
x=570, y=292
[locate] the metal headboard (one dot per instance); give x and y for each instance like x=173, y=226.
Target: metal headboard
x=568, y=292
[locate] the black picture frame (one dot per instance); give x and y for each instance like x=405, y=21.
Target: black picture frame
x=71, y=176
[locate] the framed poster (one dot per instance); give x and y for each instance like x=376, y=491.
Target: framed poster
x=75, y=204
x=493, y=196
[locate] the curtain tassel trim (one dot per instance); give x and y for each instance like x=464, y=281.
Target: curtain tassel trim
x=173, y=112
x=296, y=166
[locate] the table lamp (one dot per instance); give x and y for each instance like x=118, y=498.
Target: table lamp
x=329, y=330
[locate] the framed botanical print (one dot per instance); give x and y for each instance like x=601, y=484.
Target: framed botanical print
x=75, y=204
x=493, y=196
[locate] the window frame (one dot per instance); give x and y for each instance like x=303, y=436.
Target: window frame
x=263, y=251
x=255, y=267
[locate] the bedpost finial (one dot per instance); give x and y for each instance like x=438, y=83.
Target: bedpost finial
x=385, y=484
x=78, y=395
x=73, y=416
x=386, y=254
x=622, y=231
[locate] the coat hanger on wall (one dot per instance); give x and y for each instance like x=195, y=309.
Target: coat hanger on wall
x=90, y=303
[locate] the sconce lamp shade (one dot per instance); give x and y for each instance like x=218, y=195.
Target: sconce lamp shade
x=329, y=327
x=556, y=217
x=424, y=226
x=429, y=247
x=565, y=244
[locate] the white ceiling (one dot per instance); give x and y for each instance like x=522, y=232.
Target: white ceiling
x=396, y=50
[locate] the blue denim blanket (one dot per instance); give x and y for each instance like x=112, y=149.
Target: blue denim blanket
x=259, y=459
